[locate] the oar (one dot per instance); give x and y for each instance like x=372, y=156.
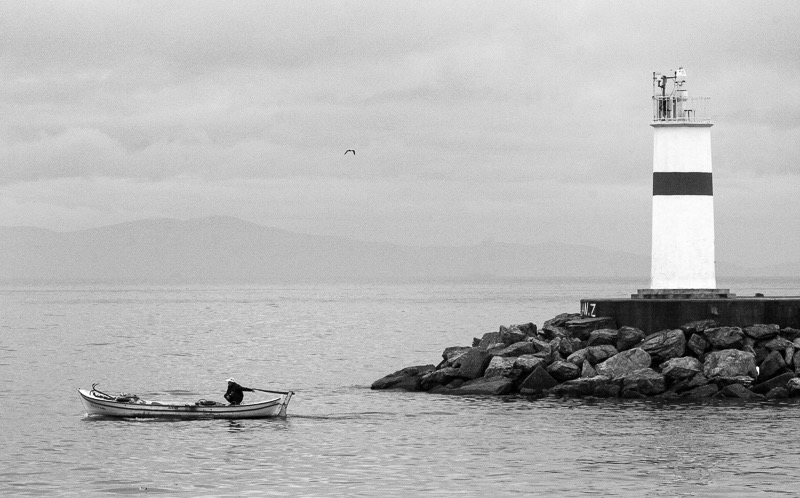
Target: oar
x=273, y=392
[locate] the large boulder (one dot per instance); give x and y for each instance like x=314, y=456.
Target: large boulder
x=777, y=393
x=597, y=354
x=778, y=381
x=790, y=333
x=555, y=327
x=439, y=377
x=725, y=337
x=500, y=367
x=788, y=356
x=698, y=326
x=518, y=349
x=568, y=345
x=793, y=387
x=796, y=362
x=528, y=362
x=473, y=363
x=739, y=391
x=681, y=368
x=453, y=353
x=537, y=382
x=408, y=378
x=489, y=386
x=761, y=331
x=697, y=344
x=582, y=327
x=729, y=363
x=510, y=335
x=587, y=370
x=645, y=381
x=772, y=365
x=664, y=345
x=586, y=386
x=563, y=370
x=628, y=337
x=578, y=357
x=777, y=344
x=489, y=339
x=704, y=391
x=529, y=329
x=603, y=336
x=624, y=363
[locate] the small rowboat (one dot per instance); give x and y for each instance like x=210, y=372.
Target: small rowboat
x=99, y=403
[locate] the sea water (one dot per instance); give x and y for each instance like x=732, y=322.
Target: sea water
x=329, y=343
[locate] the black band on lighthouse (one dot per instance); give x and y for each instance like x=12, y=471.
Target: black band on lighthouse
x=682, y=184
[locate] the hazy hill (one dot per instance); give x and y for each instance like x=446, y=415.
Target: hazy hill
x=224, y=249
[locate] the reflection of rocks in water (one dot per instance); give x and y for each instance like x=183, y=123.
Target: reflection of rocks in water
x=572, y=356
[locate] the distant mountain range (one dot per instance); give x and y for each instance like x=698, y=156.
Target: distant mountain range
x=228, y=250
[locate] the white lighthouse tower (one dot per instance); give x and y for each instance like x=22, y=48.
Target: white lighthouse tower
x=682, y=260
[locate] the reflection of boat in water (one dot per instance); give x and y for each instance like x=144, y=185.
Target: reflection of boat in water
x=99, y=403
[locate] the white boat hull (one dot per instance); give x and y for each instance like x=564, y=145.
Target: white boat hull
x=96, y=405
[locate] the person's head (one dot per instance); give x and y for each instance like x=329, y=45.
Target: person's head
x=231, y=381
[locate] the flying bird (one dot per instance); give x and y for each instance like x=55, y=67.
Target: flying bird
x=349, y=150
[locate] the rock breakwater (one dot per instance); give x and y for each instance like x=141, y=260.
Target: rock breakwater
x=573, y=356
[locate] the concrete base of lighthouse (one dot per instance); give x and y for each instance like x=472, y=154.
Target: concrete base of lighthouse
x=653, y=315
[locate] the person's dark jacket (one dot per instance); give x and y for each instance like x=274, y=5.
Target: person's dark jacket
x=235, y=393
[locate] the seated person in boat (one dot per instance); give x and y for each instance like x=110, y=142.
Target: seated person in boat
x=235, y=392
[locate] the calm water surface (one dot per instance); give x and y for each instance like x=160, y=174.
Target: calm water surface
x=329, y=343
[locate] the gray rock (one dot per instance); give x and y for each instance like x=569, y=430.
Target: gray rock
x=560, y=320
x=597, y=354
x=772, y=365
x=777, y=393
x=761, y=354
x=664, y=345
x=603, y=336
x=489, y=339
x=473, y=363
x=568, y=345
x=788, y=356
x=790, y=333
x=537, y=382
x=628, y=337
x=761, y=331
x=563, y=371
x=725, y=337
x=528, y=362
x=439, y=377
x=510, y=335
x=453, y=353
x=705, y=391
x=729, y=363
x=529, y=329
x=739, y=391
x=781, y=380
x=793, y=386
x=698, y=326
x=742, y=380
x=587, y=371
x=698, y=380
x=500, y=367
x=581, y=387
x=541, y=346
x=578, y=357
x=518, y=349
x=684, y=367
x=697, y=344
x=494, y=386
x=551, y=332
x=582, y=327
x=778, y=344
x=796, y=362
x=408, y=378
x=624, y=363
x=645, y=381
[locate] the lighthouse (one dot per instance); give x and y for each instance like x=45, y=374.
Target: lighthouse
x=682, y=257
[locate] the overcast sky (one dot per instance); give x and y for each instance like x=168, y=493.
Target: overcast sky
x=513, y=121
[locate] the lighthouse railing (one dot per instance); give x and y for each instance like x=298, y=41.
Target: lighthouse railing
x=680, y=109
